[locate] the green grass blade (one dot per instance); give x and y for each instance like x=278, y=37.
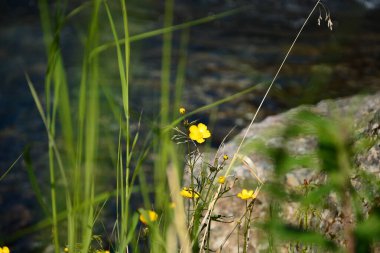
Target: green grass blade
x=51, y=139
x=161, y=31
x=181, y=70
x=123, y=66
x=45, y=223
x=214, y=104
x=52, y=177
x=33, y=180
x=11, y=167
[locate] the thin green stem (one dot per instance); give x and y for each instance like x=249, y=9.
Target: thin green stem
x=10, y=167
x=247, y=226
x=125, y=93
x=181, y=70
x=269, y=88
x=163, y=149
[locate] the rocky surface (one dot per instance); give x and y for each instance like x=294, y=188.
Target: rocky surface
x=359, y=113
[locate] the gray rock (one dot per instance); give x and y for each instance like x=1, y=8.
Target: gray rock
x=358, y=113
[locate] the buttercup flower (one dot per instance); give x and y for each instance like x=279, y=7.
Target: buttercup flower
x=153, y=216
x=4, y=249
x=189, y=193
x=199, y=133
x=245, y=194
x=221, y=179
x=182, y=110
x=225, y=157
x=66, y=249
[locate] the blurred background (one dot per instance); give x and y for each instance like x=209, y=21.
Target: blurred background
x=222, y=57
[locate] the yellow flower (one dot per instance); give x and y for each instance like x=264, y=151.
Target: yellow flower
x=66, y=249
x=102, y=251
x=221, y=179
x=4, y=249
x=153, y=216
x=182, y=110
x=189, y=193
x=199, y=133
x=225, y=157
x=245, y=194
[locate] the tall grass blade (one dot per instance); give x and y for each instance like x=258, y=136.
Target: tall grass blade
x=11, y=167
x=173, y=28
x=35, y=185
x=181, y=70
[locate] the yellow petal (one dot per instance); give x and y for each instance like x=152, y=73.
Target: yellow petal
x=206, y=134
x=202, y=127
x=189, y=193
x=152, y=216
x=200, y=140
x=185, y=193
x=193, y=129
x=193, y=135
x=142, y=219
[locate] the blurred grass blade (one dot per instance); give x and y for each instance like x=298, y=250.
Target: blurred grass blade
x=51, y=139
x=173, y=28
x=10, y=168
x=181, y=69
x=34, y=182
x=45, y=223
x=214, y=104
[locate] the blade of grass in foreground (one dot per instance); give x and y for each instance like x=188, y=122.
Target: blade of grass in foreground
x=162, y=147
x=33, y=180
x=52, y=173
x=181, y=69
x=56, y=80
x=214, y=104
x=123, y=180
x=125, y=92
x=173, y=28
x=89, y=99
x=11, y=167
x=61, y=216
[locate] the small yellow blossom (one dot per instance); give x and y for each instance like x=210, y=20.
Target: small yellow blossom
x=245, y=194
x=4, y=249
x=102, y=251
x=66, y=249
x=189, y=193
x=153, y=216
x=199, y=133
x=225, y=157
x=182, y=110
x=221, y=179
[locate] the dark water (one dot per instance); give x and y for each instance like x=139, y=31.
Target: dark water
x=224, y=57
